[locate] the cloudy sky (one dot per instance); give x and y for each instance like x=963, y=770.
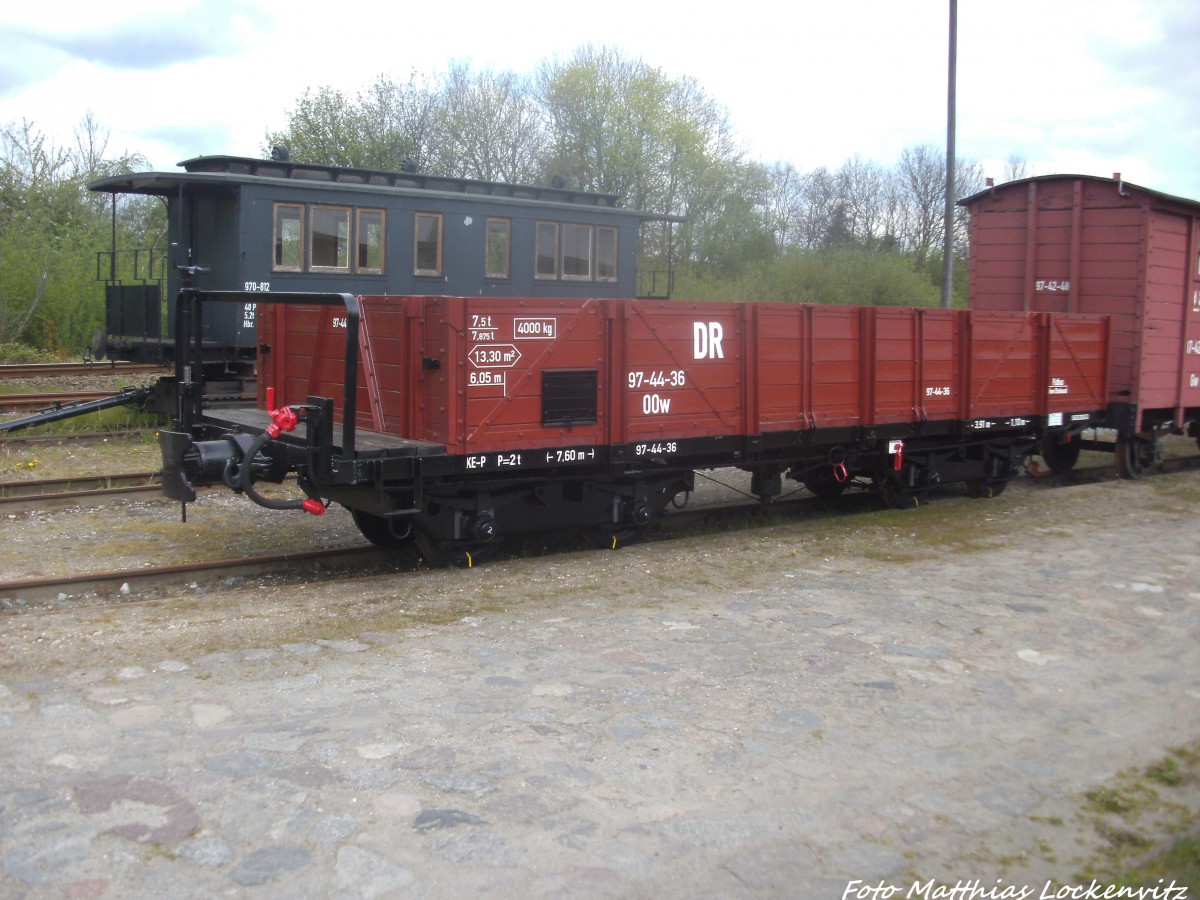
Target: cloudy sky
x=1079, y=86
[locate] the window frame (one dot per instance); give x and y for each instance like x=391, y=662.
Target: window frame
x=344, y=215
x=359, y=212
x=613, y=231
x=506, y=224
x=538, y=275
x=417, y=218
x=570, y=232
x=276, y=245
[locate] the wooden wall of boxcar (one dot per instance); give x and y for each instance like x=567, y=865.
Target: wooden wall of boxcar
x=1100, y=246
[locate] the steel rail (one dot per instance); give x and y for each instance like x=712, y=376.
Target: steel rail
x=130, y=582
x=66, y=369
x=62, y=437
x=68, y=499
x=105, y=586
x=55, y=493
x=36, y=487
x=18, y=402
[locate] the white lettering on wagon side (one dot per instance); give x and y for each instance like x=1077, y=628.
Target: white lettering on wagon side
x=494, y=356
x=535, y=329
x=706, y=340
x=655, y=405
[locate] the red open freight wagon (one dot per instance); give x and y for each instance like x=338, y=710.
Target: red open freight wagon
x=459, y=420
x=484, y=376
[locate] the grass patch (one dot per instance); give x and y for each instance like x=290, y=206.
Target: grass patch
x=1109, y=801
x=1179, y=863
x=136, y=451
x=1139, y=827
x=118, y=418
x=1136, y=816
x=1166, y=771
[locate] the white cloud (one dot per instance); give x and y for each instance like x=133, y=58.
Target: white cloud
x=1091, y=86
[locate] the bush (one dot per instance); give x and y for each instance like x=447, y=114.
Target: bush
x=856, y=277
x=12, y=354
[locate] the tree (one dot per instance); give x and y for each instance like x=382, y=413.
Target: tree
x=922, y=172
x=1016, y=167
x=50, y=230
x=784, y=204
x=725, y=228
x=968, y=180
x=819, y=196
x=664, y=147
x=403, y=124
x=596, y=106
x=484, y=126
x=607, y=123
x=861, y=185
x=492, y=127
x=326, y=129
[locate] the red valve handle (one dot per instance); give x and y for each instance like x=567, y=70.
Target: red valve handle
x=282, y=419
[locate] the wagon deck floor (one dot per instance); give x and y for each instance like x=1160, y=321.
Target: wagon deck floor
x=366, y=442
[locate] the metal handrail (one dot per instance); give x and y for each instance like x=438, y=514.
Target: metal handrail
x=188, y=331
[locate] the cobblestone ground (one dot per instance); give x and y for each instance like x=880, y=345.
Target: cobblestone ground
x=768, y=713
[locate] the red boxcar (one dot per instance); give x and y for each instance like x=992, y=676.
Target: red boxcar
x=1082, y=244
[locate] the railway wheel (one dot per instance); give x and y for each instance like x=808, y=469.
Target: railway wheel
x=610, y=537
x=632, y=518
x=986, y=488
x=454, y=554
x=1135, y=456
x=897, y=495
x=378, y=531
x=826, y=486
x=1060, y=455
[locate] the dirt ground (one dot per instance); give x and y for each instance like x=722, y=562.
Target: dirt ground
x=886, y=683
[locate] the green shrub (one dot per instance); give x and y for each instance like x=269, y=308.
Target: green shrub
x=20, y=353
x=853, y=277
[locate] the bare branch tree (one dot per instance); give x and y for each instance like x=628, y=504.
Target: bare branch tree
x=493, y=127
x=923, y=174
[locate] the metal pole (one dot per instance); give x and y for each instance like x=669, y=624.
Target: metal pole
x=112, y=257
x=948, y=242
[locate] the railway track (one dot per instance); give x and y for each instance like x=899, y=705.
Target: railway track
x=65, y=369
x=48, y=493
x=11, y=403
x=18, y=403
x=20, y=596
x=32, y=594
x=73, y=437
